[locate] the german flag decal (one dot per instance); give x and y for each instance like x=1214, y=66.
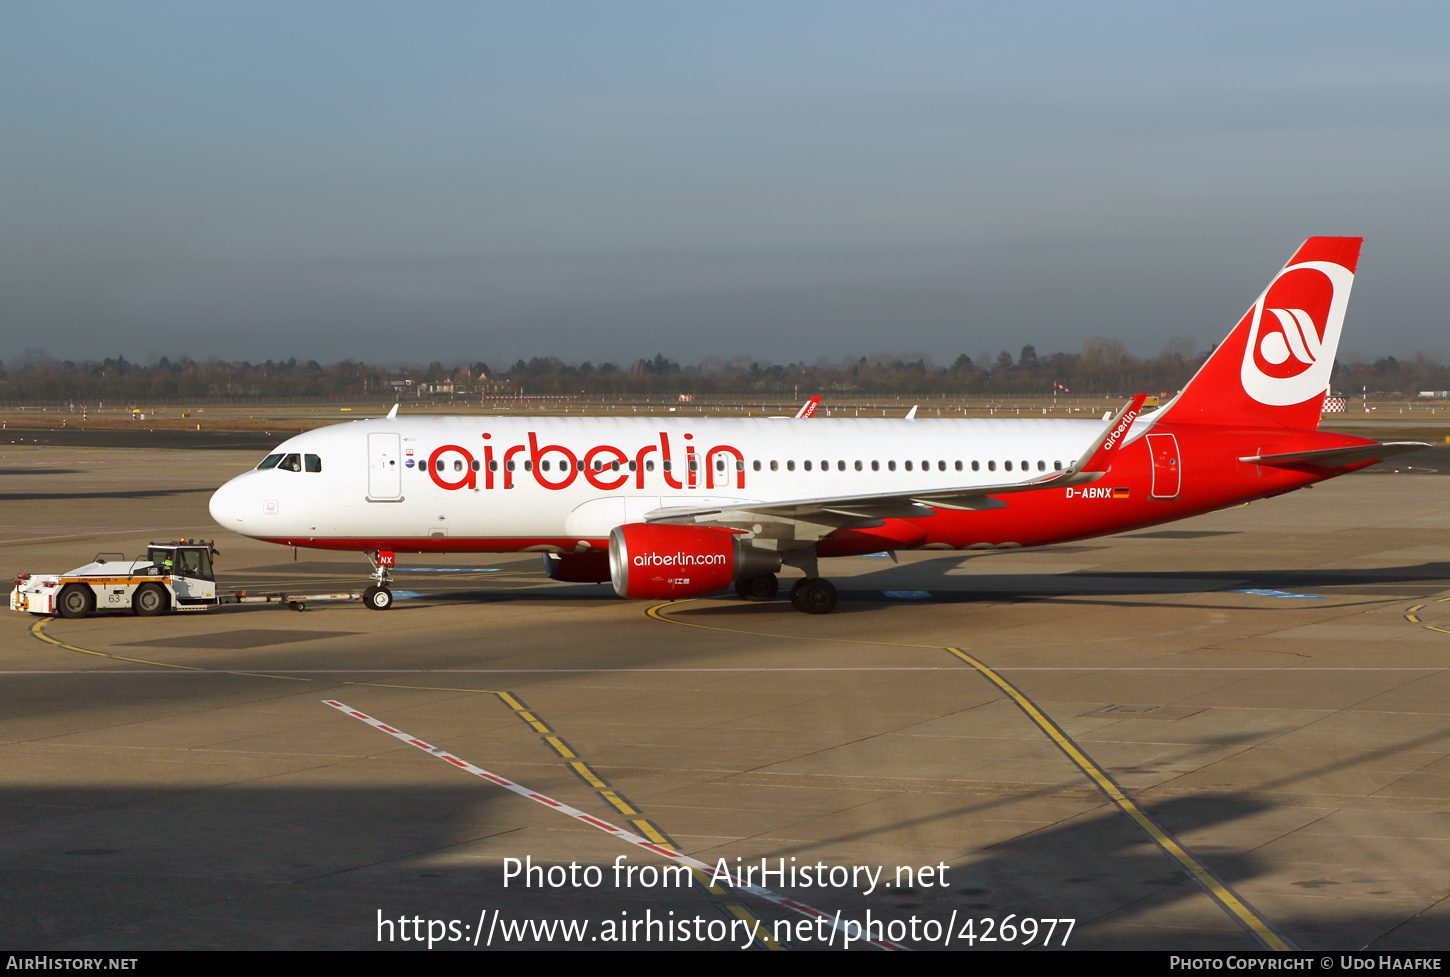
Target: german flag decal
x=1120, y=493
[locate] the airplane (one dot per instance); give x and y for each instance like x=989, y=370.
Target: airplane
x=681, y=508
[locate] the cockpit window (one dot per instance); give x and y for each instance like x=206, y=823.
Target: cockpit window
x=292, y=463
x=314, y=463
x=269, y=462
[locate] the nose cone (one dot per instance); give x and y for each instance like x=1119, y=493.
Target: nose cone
x=227, y=506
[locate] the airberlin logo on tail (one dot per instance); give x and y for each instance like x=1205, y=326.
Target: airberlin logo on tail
x=1294, y=332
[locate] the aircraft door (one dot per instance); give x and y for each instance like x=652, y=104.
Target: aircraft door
x=1167, y=471
x=385, y=467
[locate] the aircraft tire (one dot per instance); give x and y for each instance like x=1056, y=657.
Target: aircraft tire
x=762, y=588
x=150, y=600
x=76, y=600
x=378, y=598
x=814, y=596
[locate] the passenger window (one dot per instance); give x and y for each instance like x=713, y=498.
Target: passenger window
x=667, y=465
x=908, y=466
x=774, y=466
x=876, y=466
x=511, y=465
x=314, y=463
x=632, y=466
x=740, y=465
x=268, y=462
x=614, y=466
x=858, y=466
x=941, y=466
x=891, y=466
x=1042, y=466
x=1057, y=466
x=959, y=466
x=543, y=465
x=493, y=466
x=976, y=466
x=1007, y=465
x=694, y=465
x=841, y=466
x=439, y=465
x=649, y=466
x=476, y=465
x=458, y=465
x=757, y=466
x=292, y=463
x=719, y=464
x=790, y=466
x=1027, y=466
x=529, y=464
x=825, y=466
x=991, y=466
x=807, y=465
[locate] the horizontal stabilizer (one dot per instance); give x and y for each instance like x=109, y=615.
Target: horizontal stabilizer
x=1336, y=457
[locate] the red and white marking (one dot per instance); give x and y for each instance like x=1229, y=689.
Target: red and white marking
x=637, y=840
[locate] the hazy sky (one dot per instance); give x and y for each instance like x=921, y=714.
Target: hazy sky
x=608, y=180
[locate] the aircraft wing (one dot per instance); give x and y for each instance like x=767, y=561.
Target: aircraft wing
x=1336, y=457
x=839, y=510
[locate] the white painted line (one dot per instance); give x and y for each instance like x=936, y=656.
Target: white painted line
x=637, y=840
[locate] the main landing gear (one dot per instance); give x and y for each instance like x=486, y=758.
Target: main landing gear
x=378, y=596
x=812, y=595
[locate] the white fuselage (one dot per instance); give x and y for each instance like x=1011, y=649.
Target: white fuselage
x=508, y=484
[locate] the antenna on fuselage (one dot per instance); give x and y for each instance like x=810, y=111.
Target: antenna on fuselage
x=393, y=414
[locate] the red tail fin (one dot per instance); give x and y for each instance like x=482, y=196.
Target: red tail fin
x=1274, y=367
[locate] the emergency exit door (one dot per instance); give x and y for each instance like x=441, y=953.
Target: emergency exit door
x=385, y=467
x=1167, y=469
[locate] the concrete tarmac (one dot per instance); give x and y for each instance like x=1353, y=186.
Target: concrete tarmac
x=1267, y=687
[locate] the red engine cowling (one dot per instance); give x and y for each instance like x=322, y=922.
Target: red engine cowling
x=660, y=562
x=590, y=567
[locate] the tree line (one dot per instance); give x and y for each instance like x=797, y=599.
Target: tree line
x=1103, y=367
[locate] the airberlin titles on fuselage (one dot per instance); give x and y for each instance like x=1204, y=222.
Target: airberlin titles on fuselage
x=603, y=466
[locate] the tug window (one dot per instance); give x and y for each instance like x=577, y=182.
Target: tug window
x=268, y=462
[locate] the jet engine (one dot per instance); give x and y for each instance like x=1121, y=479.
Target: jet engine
x=652, y=561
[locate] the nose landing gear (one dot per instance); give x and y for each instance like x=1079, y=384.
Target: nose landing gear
x=378, y=596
